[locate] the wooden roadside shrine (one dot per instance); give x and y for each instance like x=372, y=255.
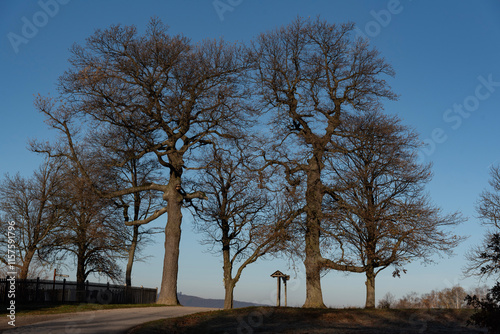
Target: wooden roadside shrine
x=280, y=276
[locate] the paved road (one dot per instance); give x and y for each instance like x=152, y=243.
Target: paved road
x=103, y=321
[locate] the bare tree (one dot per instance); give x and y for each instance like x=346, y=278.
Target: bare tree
x=33, y=205
x=453, y=298
x=92, y=229
x=387, y=301
x=431, y=299
x=138, y=206
x=448, y=298
x=382, y=217
x=239, y=215
x=410, y=300
x=309, y=73
x=121, y=155
x=484, y=260
x=172, y=95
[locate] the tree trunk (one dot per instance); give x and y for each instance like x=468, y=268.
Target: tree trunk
x=312, y=262
x=26, y=264
x=168, y=291
x=135, y=236
x=80, y=277
x=228, y=280
x=130, y=263
x=314, y=295
x=370, y=288
x=131, y=256
x=229, y=294
x=80, y=270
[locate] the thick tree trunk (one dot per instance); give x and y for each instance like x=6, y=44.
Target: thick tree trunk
x=370, y=288
x=80, y=277
x=80, y=270
x=312, y=262
x=314, y=295
x=26, y=264
x=168, y=291
x=229, y=295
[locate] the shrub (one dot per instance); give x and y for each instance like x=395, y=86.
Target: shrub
x=488, y=314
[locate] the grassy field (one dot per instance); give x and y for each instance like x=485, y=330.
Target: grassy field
x=314, y=321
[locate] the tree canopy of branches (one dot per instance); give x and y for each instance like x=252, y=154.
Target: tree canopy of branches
x=239, y=216
x=127, y=169
x=310, y=73
x=33, y=204
x=484, y=260
x=382, y=216
x=173, y=95
x=92, y=233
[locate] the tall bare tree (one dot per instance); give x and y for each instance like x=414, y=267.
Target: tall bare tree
x=174, y=96
x=239, y=216
x=33, y=204
x=382, y=217
x=309, y=73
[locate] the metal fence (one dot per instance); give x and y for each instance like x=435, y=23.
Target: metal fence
x=40, y=291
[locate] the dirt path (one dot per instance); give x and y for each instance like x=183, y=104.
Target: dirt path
x=95, y=322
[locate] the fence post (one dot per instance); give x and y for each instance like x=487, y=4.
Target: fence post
x=110, y=294
x=36, y=289
x=64, y=287
x=87, y=294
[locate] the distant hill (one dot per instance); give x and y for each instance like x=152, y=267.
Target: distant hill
x=187, y=300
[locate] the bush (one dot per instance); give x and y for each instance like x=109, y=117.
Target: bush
x=387, y=301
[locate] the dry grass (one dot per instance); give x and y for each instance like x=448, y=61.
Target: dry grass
x=314, y=321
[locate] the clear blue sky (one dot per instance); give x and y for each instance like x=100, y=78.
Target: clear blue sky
x=446, y=57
